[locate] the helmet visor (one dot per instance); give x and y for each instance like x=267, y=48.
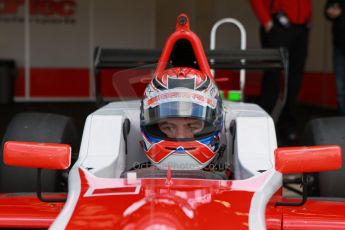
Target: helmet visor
x=178, y=109
x=182, y=129
x=181, y=120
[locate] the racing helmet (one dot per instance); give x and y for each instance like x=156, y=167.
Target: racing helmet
x=181, y=119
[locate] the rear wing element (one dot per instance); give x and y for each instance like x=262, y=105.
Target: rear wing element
x=256, y=59
x=249, y=59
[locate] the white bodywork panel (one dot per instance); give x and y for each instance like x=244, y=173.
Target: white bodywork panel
x=255, y=144
x=103, y=146
x=254, y=141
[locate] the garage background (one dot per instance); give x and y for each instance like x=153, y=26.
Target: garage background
x=52, y=41
x=52, y=44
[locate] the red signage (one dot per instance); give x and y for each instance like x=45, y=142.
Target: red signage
x=39, y=7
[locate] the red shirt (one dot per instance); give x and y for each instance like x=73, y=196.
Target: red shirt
x=298, y=11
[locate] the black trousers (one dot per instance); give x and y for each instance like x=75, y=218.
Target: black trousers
x=295, y=40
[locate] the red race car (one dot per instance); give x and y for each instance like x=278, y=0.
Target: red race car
x=226, y=172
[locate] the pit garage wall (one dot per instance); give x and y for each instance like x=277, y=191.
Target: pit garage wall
x=52, y=42
x=58, y=48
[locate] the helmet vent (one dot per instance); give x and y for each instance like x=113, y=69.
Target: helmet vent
x=184, y=83
x=179, y=149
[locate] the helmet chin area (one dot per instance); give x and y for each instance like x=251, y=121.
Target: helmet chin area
x=188, y=155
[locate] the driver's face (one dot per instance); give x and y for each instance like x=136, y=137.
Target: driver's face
x=180, y=127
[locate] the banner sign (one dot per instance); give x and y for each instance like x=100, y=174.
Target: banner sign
x=40, y=11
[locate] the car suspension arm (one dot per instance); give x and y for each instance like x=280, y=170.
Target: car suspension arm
x=305, y=182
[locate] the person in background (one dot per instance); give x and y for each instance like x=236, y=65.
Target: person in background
x=284, y=23
x=335, y=13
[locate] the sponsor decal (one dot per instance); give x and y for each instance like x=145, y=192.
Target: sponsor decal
x=150, y=91
x=113, y=191
x=169, y=96
x=40, y=11
x=213, y=91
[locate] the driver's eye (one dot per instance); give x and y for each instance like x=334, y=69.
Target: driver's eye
x=193, y=128
x=166, y=128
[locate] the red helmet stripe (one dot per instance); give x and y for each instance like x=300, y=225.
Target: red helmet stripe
x=195, y=149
